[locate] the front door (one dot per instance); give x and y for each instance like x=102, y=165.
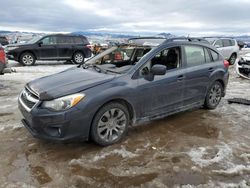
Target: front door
x=160, y=94
x=48, y=48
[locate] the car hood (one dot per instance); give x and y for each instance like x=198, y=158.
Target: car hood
x=67, y=82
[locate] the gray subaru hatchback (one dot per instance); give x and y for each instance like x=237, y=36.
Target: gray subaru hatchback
x=124, y=85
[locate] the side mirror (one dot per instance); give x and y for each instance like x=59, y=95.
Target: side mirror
x=159, y=70
x=217, y=46
x=40, y=43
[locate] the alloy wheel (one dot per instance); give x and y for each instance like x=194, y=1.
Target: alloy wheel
x=28, y=59
x=215, y=95
x=112, y=125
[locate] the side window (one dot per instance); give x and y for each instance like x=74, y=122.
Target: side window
x=195, y=55
x=169, y=57
x=78, y=40
x=61, y=40
x=232, y=42
x=226, y=42
x=218, y=43
x=215, y=55
x=207, y=56
x=49, y=40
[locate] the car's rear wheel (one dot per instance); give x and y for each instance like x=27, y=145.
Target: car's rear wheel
x=27, y=59
x=214, y=95
x=78, y=58
x=232, y=59
x=110, y=124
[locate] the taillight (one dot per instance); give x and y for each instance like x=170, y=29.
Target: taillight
x=89, y=46
x=226, y=63
x=2, y=56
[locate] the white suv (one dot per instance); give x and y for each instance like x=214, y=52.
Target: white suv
x=227, y=47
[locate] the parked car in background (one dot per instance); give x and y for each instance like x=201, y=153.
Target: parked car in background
x=50, y=47
x=241, y=44
x=101, y=98
x=3, y=41
x=2, y=59
x=227, y=47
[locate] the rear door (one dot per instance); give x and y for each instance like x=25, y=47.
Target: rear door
x=64, y=47
x=48, y=48
x=197, y=74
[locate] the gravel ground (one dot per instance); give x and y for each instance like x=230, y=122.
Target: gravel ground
x=197, y=148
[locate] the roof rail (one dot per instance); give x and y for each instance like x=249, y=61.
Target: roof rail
x=188, y=39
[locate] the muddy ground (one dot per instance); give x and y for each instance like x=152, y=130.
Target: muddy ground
x=197, y=148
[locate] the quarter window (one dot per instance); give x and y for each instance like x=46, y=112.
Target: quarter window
x=207, y=55
x=215, y=55
x=194, y=55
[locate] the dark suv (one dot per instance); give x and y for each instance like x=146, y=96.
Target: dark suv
x=50, y=47
x=101, y=98
x=3, y=40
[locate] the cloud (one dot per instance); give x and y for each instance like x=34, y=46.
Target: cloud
x=196, y=17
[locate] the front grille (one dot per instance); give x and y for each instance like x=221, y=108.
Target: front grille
x=28, y=99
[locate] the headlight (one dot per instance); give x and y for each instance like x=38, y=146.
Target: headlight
x=11, y=48
x=63, y=103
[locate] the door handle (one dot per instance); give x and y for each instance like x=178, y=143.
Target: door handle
x=180, y=78
x=211, y=69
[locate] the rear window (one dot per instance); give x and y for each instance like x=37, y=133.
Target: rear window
x=195, y=55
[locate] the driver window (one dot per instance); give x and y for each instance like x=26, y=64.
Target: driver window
x=49, y=40
x=169, y=57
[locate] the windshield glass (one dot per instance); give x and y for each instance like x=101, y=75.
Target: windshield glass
x=119, y=59
x=34, y=40
x=210, y=40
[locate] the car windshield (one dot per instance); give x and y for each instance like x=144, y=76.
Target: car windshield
x=210, y=40
x=34, y=40
x=118, y=59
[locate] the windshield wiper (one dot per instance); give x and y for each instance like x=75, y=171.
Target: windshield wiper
x=95, y=67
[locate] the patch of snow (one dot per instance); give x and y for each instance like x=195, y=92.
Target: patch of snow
x=236, y=170
x=10, y=126
x=122, y=152
x=210, y=184
x=197, y=155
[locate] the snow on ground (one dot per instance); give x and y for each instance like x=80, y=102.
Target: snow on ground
x=198, y=148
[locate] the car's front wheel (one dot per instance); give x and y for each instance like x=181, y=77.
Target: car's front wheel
x=78, y=58
x=214, y=95
x=27, y=59
x=110, y=124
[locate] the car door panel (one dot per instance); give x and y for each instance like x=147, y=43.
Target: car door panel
x=197, y=75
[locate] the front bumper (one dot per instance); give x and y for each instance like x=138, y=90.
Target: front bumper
x=70, y=125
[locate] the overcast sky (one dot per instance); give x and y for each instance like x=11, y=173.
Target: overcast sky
x=194, y=17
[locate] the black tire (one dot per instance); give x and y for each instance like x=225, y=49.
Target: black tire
x=78, y=58
x=27, y=59
x=110, y=117
x=214, y=95
x=232, y=59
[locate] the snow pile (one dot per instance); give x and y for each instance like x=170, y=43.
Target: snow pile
x=236, y=170
x=241, y=184
x=121, y=152
x=10, y=126
x=197, y=155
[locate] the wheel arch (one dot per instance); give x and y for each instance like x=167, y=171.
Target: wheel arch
x=121, y=101
x=26, y=51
